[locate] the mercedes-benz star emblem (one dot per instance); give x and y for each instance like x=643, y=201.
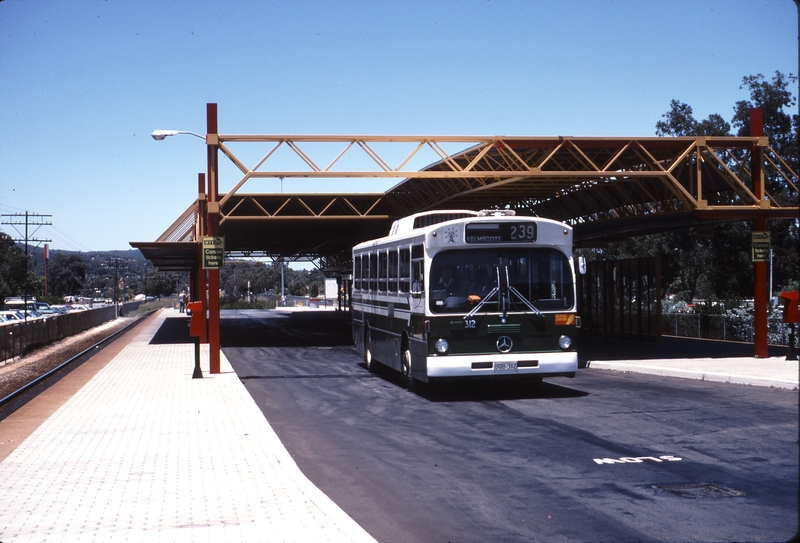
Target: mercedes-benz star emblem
x=504, y=344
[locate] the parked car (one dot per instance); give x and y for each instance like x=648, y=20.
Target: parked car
x=10, y=316
x=19, y=303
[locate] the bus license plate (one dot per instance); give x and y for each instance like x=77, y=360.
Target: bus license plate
x=505, y=366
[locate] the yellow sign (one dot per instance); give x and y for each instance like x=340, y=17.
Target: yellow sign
x=761, y=247
x=564, y=319
x=213, y=252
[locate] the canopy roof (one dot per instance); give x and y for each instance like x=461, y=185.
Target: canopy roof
x=608, y=189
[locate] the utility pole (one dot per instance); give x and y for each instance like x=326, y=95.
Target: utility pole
x=116, y=285
x=30, y=220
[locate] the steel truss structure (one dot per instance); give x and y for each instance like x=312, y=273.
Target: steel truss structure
x=607, y=188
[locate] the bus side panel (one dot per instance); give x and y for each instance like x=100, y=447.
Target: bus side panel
x=419, y=359
x=418, y=342
x=358, y=336
x=358, y=324
x=386, y=322
x=386, y=347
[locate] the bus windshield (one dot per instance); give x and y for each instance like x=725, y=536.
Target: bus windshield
x=461, y=279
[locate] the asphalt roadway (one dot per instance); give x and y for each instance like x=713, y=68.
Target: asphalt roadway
x=606, y=456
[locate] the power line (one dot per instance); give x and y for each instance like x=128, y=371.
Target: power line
x=74, y=241
x=31, y=219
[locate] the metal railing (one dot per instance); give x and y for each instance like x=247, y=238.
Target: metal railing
x=722, y=327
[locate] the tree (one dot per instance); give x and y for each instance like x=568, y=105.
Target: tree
x=772, y=98
x=14, y=270
x=67, y=274
x=679, y=121
x=721, y=266
x=6, y=281
x=775, y=99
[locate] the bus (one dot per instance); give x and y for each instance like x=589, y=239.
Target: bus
x=467, y=294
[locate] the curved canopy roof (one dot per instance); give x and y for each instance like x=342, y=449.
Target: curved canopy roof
x=607, y=188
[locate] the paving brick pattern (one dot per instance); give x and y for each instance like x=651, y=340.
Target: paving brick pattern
x=143, y=452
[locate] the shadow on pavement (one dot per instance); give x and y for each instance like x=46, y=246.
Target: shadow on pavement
x=299, y=329
x=482, y=389
x=494, y=391
x=171, y=331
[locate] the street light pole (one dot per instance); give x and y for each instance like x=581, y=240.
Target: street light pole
x=211, y=225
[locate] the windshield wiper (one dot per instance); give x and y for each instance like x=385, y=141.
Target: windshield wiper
x=480, y=304
x=525, y=301
x=486, y=298
x=522, y=298
x=503, y=300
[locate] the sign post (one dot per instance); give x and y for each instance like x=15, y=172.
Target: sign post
x=197, y=328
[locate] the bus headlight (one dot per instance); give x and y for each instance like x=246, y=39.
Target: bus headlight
x=442, y=346
x=565, y=342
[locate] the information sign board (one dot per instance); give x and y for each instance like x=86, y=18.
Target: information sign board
x=761, y=247
x=213, y=252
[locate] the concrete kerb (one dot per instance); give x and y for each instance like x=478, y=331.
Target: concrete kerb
x=771, y=372
x=319, y=498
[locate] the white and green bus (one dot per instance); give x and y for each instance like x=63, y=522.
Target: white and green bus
x=462, y=294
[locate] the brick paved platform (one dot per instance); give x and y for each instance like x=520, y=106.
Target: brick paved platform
x=143, y=452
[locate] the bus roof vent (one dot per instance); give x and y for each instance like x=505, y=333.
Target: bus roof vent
x=421, y=221
x=497, y=213
x=406, y=225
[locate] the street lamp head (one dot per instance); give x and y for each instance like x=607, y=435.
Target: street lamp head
x=161, y=134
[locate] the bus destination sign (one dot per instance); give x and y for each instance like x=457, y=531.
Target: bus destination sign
x=500, y=232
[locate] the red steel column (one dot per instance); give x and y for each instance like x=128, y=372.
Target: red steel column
x=212, y=142
x=759, y=225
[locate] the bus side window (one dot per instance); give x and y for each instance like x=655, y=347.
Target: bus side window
x=383, y=269
x=373, y=272
x=393, y=270
x=405, y=270
x=418, y=277
x=417, y=270
x=357, y=272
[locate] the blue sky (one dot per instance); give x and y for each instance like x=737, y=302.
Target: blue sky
x=86, y=82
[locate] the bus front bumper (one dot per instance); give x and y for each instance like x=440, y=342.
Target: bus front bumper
x=544, y=364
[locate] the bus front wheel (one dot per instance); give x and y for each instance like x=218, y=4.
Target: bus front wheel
x=368, y=351
x=405, y=370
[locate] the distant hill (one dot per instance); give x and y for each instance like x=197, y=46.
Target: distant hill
x=132, y=257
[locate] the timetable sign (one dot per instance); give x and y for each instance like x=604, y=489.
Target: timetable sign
x=213, y=252
x=761, y=247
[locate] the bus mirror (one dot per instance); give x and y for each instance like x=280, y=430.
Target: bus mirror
x=582, y=265
x=416, y=289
